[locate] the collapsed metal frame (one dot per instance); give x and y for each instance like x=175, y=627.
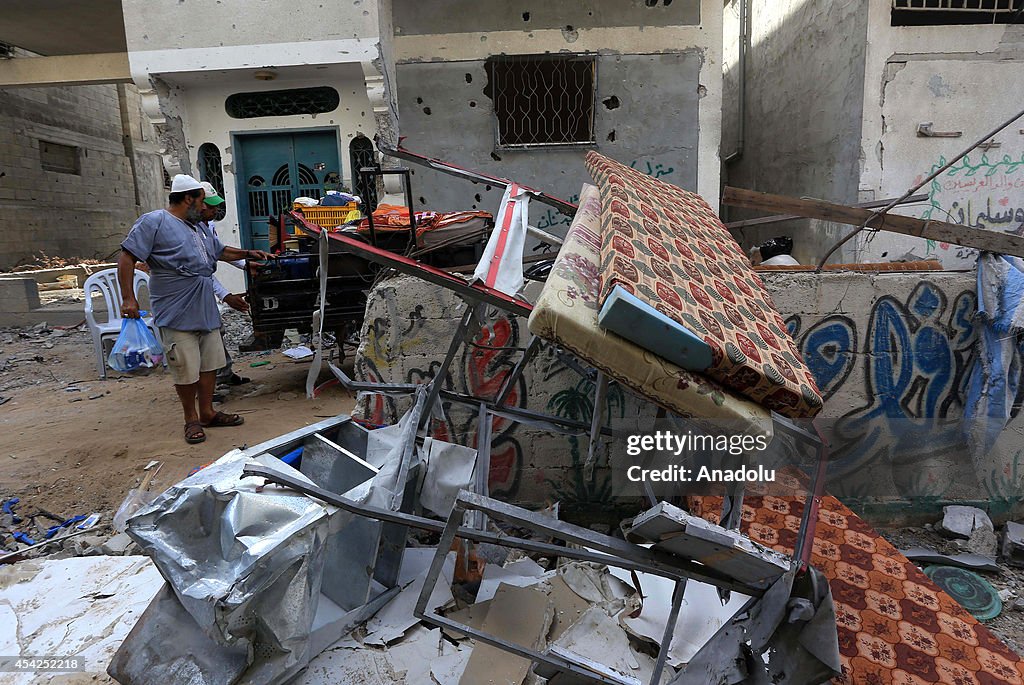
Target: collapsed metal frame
x=612, y=552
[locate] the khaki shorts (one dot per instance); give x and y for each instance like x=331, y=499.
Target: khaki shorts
x=190, y=353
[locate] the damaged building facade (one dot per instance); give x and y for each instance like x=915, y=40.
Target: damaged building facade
x=857, y=101
x=78, y=164
x=523, y=90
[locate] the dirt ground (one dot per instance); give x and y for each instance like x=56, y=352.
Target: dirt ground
x=75, y=444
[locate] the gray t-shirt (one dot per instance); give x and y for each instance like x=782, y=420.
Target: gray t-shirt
x=182, y=259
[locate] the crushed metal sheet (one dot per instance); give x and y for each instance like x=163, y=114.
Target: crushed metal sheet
x=788, y=637
x=391, y=622
x=521, y=615
x=675, y=531
x=972, y=562
x=521, y=573
x=90, y=606
x=192, y=658
x=266, y=533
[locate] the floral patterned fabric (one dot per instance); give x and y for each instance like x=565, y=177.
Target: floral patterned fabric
x=895, y=626
x=566, y=313
x=668, y=248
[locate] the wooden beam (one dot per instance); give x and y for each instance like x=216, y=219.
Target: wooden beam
x=941, y=231
x=65, y=70
x=760, y=221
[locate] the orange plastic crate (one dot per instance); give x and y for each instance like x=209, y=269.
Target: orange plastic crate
x=327, y=217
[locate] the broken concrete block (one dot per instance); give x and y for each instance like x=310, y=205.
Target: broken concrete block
x=19, y=294
x=117, y=545
x=1013, y=544
x=983, y=541
x=960, y=522
x=87, y=545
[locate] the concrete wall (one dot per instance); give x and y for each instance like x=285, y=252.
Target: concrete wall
x=835, y=97
x=892, y=353
x=72, y=215
x=661, y=64
x=444, y=112
x=804, y=93
x=960, y=78
x=153, y=25
x=893, y=411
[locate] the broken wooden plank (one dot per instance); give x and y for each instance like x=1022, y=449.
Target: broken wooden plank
x=776, y=218
x=941, y=231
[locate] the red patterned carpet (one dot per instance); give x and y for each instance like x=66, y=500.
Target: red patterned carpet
x=895, y=626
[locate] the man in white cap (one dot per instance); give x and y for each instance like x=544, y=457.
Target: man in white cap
x=211, y=208
x=182, y=255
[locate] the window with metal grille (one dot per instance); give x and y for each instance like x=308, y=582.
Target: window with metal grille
x=64, y=159
x=282, y=103
x=948, y=12
x=210, y=167
x=542, y=100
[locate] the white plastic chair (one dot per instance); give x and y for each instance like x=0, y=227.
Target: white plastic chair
x=106, y=283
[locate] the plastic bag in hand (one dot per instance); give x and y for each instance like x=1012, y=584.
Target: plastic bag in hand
x=136, y=347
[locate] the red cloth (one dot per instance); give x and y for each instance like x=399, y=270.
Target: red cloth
x=396, y=218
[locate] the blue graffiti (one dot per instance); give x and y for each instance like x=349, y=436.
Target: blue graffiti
x=829, y=349
x=916, y=362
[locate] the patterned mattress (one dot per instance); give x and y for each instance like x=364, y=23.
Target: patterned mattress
x=566, y=313
x=667, y=247
x=895, y=626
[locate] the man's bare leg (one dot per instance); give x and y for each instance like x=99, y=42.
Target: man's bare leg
x=205, y=386
x=187, y=395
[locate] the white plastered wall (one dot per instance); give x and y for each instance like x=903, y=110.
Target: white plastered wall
x=963, y=79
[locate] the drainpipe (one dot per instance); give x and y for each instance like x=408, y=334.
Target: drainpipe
x=741, y=67
x=127, y=140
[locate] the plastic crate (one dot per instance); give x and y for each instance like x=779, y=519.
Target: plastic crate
x=328, y=217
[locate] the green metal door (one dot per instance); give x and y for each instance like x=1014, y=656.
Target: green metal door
x=275, y=168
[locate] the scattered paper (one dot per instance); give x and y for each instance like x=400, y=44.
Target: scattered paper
x=300, y=352
x=520, y=573
x=392, y=622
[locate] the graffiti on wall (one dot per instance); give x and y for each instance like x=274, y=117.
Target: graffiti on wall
x=982, y=192
x=898, y=371
x=481, y=371
x=915, y=355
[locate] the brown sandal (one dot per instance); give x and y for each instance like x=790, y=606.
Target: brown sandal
x=221, y=419
x=194, y=432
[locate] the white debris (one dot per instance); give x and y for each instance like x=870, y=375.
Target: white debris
x=80, y=606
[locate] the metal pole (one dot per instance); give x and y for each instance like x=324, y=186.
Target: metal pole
x=442, y=373
x=670, y=627
x=904, y=196
x=597, y=420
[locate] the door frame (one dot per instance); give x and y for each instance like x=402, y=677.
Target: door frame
x=241, y=193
